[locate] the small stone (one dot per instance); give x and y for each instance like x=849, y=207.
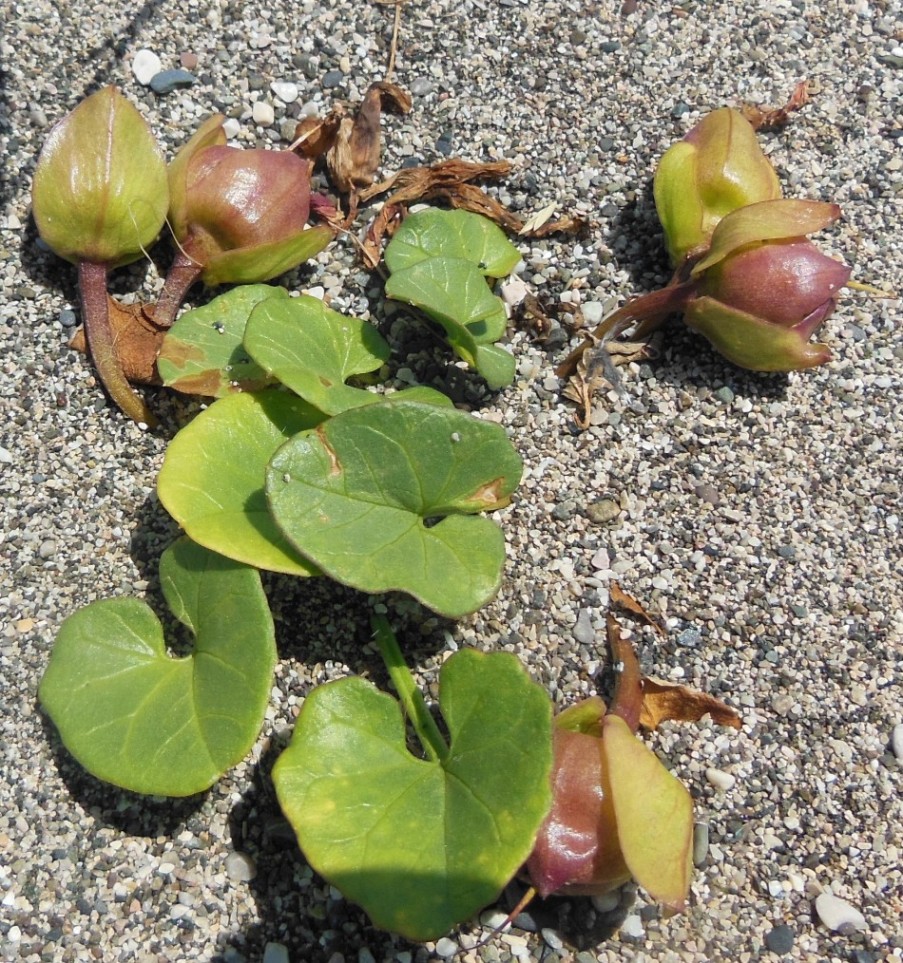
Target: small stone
x=724, y=394
x=553, y=940
x=708, y=494
x=332, y=78
x=896, y=741
x=275, y=953
x=231, y=128
x=167, y=81
x=690, y=638
x=780, y=939
x=838, y=915
x=632, y=927
x=700, y=844
x=365, y=956
x=422, y=86
x=446, y=947
x=240, y=868
x=720, y=779
x=6, y=457
x=67, y=318
x=188, y=60
x=593, y=312
x=607, y=902
x=262, y=113
x=603, y=510
x=47, y=548
x=145, y=66
x=583, y=630
x=286, y=91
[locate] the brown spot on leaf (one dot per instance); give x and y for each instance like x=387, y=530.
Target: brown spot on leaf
x=335, y=466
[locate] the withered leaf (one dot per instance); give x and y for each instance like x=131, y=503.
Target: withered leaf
x=628, y=695
x=763, y=117
x=353, y=159
x=621, y=599
x=663, y=701
x=314, y=136
x=136, y=340
x=383, y=225
x=530, y=315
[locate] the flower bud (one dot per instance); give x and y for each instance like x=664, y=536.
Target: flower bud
x=100, y=192
x=717, y=168
x=763, y=289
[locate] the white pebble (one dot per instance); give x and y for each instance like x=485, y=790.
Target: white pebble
x=896, y=739
x=593, y=311
x=446, y=947
x=145, y=65
x=231, y=128
x=720, y=779
x=838, y=915
x=286, y=91
x=263, y=113
x=632, y=927
x=5, y=457
x=240, y=867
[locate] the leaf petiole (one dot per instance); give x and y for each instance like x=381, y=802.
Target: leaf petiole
x=410, y=695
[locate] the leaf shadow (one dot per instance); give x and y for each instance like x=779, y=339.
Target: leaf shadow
x=129, y=812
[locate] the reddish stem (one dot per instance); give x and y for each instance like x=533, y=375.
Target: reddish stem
x=183, y=272
x=650, y=309
x=628, y=698
x=92, y=284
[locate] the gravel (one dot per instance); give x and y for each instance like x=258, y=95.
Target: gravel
x=758, y=515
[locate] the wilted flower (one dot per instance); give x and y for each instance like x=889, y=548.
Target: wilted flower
x=239, y=216
x=99, y=199
x=617, y=813
x=717, y=168
x=763, y=290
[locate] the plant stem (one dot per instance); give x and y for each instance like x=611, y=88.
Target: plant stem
x=411, y=697
x=101, y=340
x=183, y=272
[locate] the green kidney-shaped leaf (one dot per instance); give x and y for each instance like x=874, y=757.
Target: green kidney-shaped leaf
x=313, y=350
x=453, y=293
x=203, y=354
x=138, y=718
x=360, y=497
x=421, y=845
x=212, y=479
x=460, y=234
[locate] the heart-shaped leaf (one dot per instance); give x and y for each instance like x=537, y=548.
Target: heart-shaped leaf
x=313, y=350
x=212, y=479
x=453, y=292
x=138, y=718
x=360, y=497
x=421, y=845
x=203, y=354
x=461, y=234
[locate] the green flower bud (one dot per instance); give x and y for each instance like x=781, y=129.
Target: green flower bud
x=100, y=189
x=717, y=168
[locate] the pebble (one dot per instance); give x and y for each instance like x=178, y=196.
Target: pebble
x=896, y=741
x=6, y=457
x=780, y=939
x=286, y=91
x=67, y=318
x=188, y=60
x=47, y=548
x=446, y=947
x=240, y=867
x=593, y=312
x=332, y=78
x=167, y=81
x=145, y=66
x=700, y=844
x=708, y=494
x=263, y=113
x=583, y=630
x=231, y=128
x=720, y=779
x=275, y=953
x=602, y=511
x=839, y=915
x=632, y=927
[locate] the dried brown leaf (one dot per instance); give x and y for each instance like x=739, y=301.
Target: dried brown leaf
x=664, y=701
x=136, y=341
x=530, y=315
x=414, y=184
x=628, y=695
x=627, y=602
x=315, y=136
x=763, y=117
x=382, y=226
